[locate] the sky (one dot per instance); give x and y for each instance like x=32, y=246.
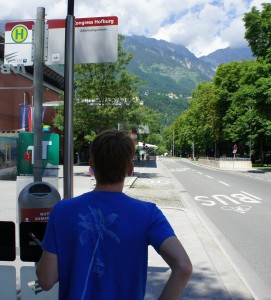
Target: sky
x=202, y=26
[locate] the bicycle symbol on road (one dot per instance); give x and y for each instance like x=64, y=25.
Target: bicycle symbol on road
x=179, y=169
x=156, y=182
x=242, y=209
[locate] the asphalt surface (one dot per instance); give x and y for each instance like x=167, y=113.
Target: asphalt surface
x=214, y=277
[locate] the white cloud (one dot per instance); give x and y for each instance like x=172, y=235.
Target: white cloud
x=201, y=25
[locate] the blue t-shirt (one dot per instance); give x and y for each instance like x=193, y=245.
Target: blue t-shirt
x=101, y=240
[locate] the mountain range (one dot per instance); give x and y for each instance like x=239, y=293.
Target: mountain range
x=168, y=67
x=227, y=55
x=171, y=72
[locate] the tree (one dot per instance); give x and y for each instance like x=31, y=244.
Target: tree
x=235, y=107
x=258, y=30
x=246, y=113
x=199, y=125
x=105, y=95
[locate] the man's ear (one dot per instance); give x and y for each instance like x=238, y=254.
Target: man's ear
x=130, y=169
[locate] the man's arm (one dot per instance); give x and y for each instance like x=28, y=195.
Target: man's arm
x=176, y=257
x=47, y=270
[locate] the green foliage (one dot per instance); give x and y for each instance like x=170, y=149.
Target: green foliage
x=105, y=95
x=106, y=98
x=107, y=83
x=199, y=124
x=169, y=109
x=234, y=108
x=258, y=30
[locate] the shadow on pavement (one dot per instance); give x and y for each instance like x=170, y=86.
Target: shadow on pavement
x=201, y=286
x=145, y=163
x=148, y=175
x=259, y=170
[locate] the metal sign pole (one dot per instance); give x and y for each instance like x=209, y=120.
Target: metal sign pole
x=38, y=91
x=68, y=101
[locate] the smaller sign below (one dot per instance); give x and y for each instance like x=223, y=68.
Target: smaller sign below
x=95, y=40
x=7, y=241
x=18, y=43
x=31, y=235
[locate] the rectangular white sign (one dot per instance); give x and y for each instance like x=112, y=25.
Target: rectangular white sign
x=18, y=43
x=95, y=41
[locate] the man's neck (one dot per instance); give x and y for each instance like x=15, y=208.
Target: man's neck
x=116, y=187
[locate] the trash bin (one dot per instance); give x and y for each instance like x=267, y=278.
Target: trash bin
x=36, y=200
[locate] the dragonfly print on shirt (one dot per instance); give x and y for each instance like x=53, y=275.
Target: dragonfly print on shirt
x=95, y=224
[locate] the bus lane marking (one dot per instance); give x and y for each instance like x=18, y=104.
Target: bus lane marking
x=237, y=202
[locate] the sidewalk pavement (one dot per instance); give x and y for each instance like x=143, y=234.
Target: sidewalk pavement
x=214, y=278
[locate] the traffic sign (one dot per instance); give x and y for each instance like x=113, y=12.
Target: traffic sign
x=18, y=43
x=96, y=40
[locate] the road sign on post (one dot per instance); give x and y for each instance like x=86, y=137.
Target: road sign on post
x=18, y=43
x=96, y=40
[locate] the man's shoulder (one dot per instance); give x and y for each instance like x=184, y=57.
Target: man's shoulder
x=75, y=201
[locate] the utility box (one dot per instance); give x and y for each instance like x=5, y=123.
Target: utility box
x=36, y=201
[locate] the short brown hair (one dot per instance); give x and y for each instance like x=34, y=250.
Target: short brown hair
x=111, y=154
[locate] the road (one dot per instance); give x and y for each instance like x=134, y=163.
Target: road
x=237, y=207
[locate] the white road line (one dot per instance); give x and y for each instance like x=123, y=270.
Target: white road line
x=199, y=173
x=251, y=195
x=224, y=183
x=209, y=176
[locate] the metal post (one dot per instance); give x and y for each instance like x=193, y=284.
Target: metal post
x=38, y=91
x=173, y=143
x=250, y=147
x=250, y=121
x=68, y=102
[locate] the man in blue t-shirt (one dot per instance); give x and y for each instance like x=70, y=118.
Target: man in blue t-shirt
x=96, y=244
